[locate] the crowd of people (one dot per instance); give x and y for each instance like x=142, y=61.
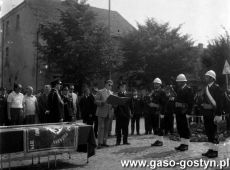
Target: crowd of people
x=59, y=103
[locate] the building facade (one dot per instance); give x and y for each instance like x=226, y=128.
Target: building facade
x=20, y=33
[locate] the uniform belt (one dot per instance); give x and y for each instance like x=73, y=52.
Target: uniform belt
x=155, y=105
x=207, y=106
x=180, y=105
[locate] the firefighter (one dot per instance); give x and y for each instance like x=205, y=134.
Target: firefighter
x=157, y=105
x=226, y=107
x=211, y=107
x=183, y=107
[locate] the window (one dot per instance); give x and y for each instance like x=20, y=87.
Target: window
x=7, y=27
x=17, y=21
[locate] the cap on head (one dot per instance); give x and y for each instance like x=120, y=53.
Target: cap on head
x=55, y=82
x=211, y=73
x=95, y=89
x=121, y=84
x=157, y=80
x=109, y=82
x=181, y=78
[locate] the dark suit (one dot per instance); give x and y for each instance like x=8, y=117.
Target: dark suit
x=56, y=107
x=43, y=107
x=3, y=110
x=122, y=113
x=68, y=107
x=136, y=109
x=210, y=113
x=183, y=106
x=147, y=114
x=87, y=108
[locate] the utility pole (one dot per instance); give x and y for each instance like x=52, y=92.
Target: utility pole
x=2, y=52
x=109, y=25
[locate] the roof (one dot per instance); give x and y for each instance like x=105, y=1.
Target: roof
x=118, y=24
x=48, y=10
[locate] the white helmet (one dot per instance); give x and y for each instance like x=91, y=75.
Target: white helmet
x=157, y=80
x=181, y=78
x=211, y=73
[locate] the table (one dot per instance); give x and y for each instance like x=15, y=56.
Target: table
x=16, y=140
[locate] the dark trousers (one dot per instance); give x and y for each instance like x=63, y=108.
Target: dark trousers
x=210, y=126
x=93, y=122
x=122, y=127
x=182, y=124
x=30, y=119
x=228, y=121
x=16, y=116
x=148, y=124
x=95, y=126
x=168, y=122
x=135, y=120
x=157, y=124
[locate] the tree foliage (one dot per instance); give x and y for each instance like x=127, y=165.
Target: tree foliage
x=77, y=47
x=156, y=50
x=216, y=54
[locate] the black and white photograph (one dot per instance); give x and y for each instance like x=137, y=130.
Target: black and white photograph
x=114, y=84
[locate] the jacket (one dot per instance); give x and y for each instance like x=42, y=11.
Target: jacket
x=103, y=110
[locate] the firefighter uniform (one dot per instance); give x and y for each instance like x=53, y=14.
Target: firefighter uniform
x=226, y=107
x=183, y=106
x=211, y=108
x=158, y=98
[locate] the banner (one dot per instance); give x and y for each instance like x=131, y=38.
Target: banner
x=51, y=137
x=11, y=141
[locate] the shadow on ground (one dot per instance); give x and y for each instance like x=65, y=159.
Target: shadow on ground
x=44, y=166
x=132, y=150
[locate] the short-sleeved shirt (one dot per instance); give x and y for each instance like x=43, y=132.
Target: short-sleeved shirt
x=29, y=104
x=15, y=100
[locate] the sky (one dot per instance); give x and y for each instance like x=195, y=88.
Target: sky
x=202, y=19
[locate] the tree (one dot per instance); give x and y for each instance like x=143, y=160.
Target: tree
x=216, y=54
x=156, y=50
x=75, y=46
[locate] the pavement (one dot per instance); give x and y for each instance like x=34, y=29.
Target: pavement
x=140, y=149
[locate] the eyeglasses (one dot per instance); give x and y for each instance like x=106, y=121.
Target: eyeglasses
x=110, y=85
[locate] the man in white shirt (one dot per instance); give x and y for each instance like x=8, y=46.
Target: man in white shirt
x=75, y=101
x=30, y=106
x=15, y=106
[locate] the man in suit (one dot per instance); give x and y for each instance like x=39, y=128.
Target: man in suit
x=104, y=113
x=74, y=96
x=43, y=104
x=183, y=107
x=136, y=109
x=211, y=108
x=123, y=114
x=55, y=103
x=157, y=105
